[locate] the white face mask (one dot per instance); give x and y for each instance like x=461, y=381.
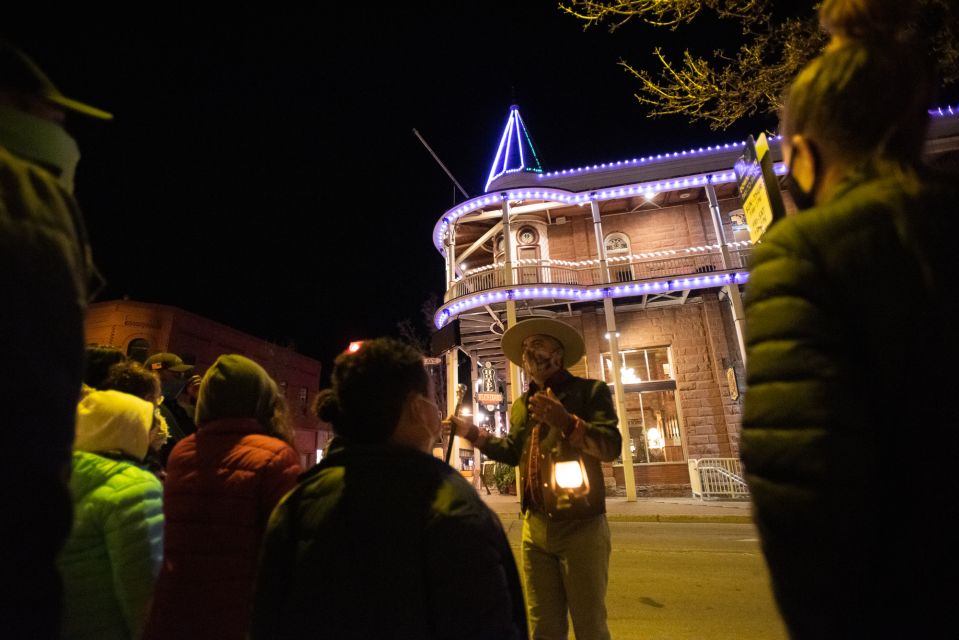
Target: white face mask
x=40, y=141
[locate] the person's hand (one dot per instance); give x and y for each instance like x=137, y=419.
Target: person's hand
x=546, y=408
x=193, y=386
x=459, y=425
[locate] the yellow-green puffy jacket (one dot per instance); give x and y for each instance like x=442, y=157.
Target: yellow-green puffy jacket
x=113, y=555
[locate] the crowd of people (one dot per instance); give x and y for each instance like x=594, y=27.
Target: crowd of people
x=159, y=502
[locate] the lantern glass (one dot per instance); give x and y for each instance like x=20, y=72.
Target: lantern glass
x=569, y=474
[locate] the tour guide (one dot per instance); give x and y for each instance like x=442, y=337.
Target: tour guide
x=560, y=431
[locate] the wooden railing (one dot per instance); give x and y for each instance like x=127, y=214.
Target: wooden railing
x=636, y=268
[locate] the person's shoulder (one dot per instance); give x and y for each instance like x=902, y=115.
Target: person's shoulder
x=265, y=443
x=110, y=474
x=34, y=190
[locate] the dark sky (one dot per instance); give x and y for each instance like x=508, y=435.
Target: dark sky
x=262, y=170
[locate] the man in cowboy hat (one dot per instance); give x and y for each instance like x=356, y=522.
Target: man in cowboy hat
x=47, y=279
x=560, y=420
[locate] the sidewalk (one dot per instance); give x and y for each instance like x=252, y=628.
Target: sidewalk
x=647, y=509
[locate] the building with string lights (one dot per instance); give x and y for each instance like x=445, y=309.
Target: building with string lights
x=645, y=257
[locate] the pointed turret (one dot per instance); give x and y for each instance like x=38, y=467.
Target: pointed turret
x=516, y=152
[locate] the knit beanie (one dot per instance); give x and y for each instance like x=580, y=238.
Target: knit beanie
x=114, y=421
x=236, y=387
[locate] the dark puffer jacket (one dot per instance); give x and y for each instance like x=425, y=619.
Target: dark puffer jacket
x=385, y=542
x=852, y=358
x=222, y=483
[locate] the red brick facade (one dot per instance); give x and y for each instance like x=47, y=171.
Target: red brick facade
x=200, y=341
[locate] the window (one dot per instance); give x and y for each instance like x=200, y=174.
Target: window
x=302, y=396
x=640, y=365
x=527, y=235
x=617, y=254
x=138, y=349
x=654, y=433
x=650, y=396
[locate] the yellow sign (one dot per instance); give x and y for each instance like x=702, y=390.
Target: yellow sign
x=758, y=210
x=756, y=179
x=762, y=146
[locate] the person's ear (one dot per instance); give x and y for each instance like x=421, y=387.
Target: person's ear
x=803, y=162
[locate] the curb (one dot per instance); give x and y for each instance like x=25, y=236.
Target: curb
x=612, y=517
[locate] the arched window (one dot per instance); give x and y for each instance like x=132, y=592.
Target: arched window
x=138, y=349
x=617, y=252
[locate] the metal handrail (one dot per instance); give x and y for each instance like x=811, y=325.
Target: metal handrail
x=632, y=269
x=717, y=478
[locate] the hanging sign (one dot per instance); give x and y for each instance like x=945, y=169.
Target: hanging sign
x=758, y=187
x=489, y=377
x=489, y=397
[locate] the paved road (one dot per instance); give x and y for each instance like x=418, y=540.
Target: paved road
x=685, y=581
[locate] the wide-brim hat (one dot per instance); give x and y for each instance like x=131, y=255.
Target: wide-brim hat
x=18, y=71
x=573, y=345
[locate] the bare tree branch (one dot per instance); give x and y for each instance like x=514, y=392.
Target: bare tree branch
x=723, y=89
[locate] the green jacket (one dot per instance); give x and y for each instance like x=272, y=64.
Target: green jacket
x=591, y=401
x=850, y=312
x=113, y=554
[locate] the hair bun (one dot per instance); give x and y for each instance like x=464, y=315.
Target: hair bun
x=866, y=19
x=327, y=406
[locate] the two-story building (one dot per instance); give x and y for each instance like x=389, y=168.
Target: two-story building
x=645, y=257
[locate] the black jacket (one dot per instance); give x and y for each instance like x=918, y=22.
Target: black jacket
x=850, y=314
x=385, y=542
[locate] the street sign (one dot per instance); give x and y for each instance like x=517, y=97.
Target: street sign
x=758, y=187
x=432, y=361
x=489, y=397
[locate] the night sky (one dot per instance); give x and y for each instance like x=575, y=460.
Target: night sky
x=262, y=170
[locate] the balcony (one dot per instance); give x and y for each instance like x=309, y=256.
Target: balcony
x=633, y=269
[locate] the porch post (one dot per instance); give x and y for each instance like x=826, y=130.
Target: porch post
x=610, y=314
x=732, y=289
x=515, y=385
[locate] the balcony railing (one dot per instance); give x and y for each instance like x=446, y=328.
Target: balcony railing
x=634, y=268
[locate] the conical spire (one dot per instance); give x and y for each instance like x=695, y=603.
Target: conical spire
x=516, y=151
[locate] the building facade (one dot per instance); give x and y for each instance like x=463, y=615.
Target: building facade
x=646, y=258
x=141, y=329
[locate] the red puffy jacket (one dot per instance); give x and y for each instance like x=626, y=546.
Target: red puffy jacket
x=222, y=484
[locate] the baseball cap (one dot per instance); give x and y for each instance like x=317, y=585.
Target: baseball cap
x=19, y=71
x=168, y=362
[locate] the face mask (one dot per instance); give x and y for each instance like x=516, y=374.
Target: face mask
x=172, y=388
x=541, y=361
x=804, y=199
x=40, y=141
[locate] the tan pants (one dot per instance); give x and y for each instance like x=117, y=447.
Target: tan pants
x=566, y=569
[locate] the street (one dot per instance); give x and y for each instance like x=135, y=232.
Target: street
x=672, y=581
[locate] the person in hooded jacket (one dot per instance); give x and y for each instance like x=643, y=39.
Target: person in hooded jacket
x=381, y=539
x=112, y=557
x=222, y=484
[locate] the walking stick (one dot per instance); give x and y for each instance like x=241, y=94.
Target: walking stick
x=457, y=398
